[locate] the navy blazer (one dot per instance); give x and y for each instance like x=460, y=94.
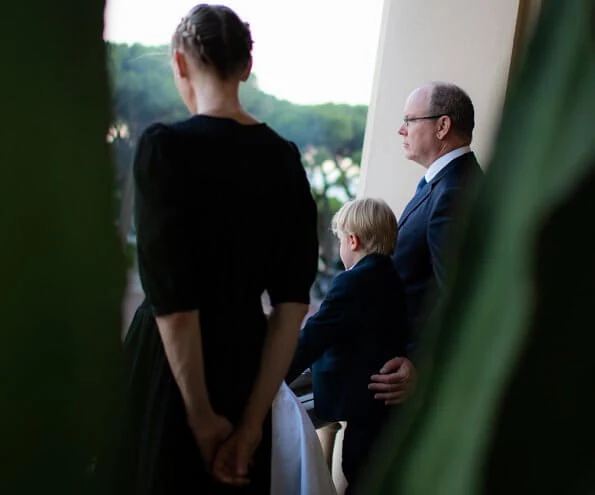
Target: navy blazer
x=423, y=227
x=360, y=325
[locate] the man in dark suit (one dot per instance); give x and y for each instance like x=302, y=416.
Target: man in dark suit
x=437, y=130
x=361, y=323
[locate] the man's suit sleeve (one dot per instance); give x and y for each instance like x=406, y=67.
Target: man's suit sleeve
x=332, y=322
x=439, y=229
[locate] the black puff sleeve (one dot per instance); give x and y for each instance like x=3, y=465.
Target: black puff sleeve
x=167, y=249
x=295, y=257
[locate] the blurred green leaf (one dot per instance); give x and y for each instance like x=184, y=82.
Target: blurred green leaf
x=62, y=268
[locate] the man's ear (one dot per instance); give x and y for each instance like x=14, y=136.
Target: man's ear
x=246, y=72
x=354, y=242
x=180, y=64
x=443, y=126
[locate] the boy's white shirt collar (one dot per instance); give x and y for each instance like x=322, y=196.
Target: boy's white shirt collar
x=357, y=262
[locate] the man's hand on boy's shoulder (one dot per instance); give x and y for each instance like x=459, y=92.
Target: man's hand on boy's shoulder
x=395, y=382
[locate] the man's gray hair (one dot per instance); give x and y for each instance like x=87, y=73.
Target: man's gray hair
x=449, y=99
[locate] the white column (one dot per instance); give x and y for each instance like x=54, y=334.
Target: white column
x=467, y=42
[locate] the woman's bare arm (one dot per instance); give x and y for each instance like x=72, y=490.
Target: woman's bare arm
x=181, y=337
x=235, y=455
x=282, y=335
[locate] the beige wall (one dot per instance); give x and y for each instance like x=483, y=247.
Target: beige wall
x=468, y=42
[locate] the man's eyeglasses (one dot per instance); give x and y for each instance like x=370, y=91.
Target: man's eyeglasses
x=406, y=120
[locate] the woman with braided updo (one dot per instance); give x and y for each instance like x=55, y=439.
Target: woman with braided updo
x=223, y=213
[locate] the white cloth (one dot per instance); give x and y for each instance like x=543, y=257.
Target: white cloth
x=297, y=463
x=443, y=161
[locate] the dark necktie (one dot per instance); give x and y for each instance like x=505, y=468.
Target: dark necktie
x=421, y=185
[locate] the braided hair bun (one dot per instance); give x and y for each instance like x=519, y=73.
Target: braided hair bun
x=215, y=37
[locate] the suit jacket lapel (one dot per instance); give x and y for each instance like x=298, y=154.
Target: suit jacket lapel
x=414, y=203
x=427, y=189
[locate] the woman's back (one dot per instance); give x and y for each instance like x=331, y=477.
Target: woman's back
x=239, y=189
x=216, y=224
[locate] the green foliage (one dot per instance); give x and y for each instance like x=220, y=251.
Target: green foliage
x=62, y=266
x=504, y=404
x=339, y=128
x=143, y=91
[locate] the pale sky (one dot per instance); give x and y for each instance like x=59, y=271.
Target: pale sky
x=305, y=51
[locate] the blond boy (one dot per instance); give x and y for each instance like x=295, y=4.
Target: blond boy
x=361, y=324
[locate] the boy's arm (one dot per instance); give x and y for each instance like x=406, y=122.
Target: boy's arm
x=332, y=322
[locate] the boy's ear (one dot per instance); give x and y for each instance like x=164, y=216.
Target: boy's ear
x=354, y=242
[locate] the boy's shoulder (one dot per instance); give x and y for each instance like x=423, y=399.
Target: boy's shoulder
x=374, y=264
x=367, y=271
x=342, y=280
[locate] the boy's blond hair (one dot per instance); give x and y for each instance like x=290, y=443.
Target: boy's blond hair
x=372, y=221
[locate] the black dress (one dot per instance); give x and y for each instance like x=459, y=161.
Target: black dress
x=223, y=213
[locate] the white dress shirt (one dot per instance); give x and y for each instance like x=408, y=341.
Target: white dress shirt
x=443, y=161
